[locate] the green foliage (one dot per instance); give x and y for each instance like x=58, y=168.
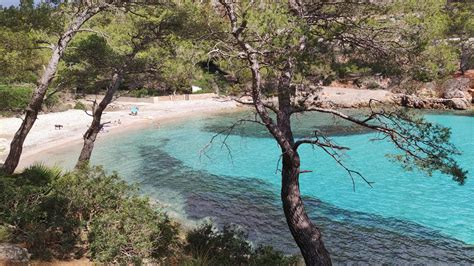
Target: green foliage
x=51, y=100
x=23, y=31
x=267, y=255
x=142, y=93
x=5, y=234
x=425, y=145
x=25, y=206
x=461, y=20
x=137, y=232
x=435, y=62
x=209, y=246
x=88, y=66
x=228, y=247
x=80, y=106
x=59, y=215
x=14, y=98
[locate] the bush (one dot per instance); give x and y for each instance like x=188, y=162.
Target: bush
x=33, y=215
x=266, y=255
x=142, y=93
x=5, y=234
x=58, y=215
x=51, y=101
x=228, y=247
x=122, y=227
x=14, y=98
x=80, y=106
x=89, y=212
x=132, y=232
x=208, y=246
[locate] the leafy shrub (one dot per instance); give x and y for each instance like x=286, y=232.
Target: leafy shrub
x=208, y=246
x=51, y=101
x=28, y=208
x=267, y=255
x=14, y=98
x=58, y=215
x=142, y=93
x=228, y=247
x=122, y=227
x=5, y=234
x=80, y=106
x=130, y=233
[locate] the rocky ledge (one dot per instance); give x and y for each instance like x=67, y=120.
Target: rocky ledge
x=12, y=254
x=455, y=93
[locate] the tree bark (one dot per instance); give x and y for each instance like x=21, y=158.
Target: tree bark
x=16, y=146
x=307, y=236
x=96, y=125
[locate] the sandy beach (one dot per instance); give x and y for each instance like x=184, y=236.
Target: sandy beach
x=44, y=136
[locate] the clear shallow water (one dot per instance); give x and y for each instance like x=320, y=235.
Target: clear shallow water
x=405, y=217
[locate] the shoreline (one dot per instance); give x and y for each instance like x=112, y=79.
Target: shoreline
x=44, y=140
x=57, y=148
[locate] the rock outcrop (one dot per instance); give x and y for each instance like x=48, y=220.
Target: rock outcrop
x=457, y=88
x=417, y=102
x=12, y=254
x=456, y=93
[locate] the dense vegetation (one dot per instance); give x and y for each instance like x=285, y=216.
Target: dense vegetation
x=186, y=55
x=90, y=213
x=14, y=98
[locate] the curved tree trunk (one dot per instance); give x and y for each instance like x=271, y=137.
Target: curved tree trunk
x=307, y=236
x=16, y=146
x=96, y=125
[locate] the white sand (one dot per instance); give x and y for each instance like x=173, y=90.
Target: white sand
x=44, y=136
x=347, y=97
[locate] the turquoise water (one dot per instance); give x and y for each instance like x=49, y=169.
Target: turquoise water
x=405, y=217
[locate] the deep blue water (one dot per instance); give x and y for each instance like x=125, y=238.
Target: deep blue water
x=405, y=217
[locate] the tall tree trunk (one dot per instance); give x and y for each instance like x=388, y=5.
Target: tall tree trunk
x=16, y=146
x=96, y=125
x=307, y=236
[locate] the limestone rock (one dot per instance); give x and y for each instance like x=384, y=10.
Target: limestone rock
x=456, y=88
x=458, y=103
x=412, y=101
x=10, y=253
x=471, y=92
x=428, y=90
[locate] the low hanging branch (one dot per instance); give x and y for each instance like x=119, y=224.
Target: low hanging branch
x=423, y=144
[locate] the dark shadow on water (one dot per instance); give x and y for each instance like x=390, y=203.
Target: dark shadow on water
x=255, y=206
x=304, y=125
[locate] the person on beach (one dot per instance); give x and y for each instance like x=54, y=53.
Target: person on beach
x=134, y=110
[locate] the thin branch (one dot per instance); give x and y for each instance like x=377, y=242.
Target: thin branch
x=318, y=143
x=228, y=131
